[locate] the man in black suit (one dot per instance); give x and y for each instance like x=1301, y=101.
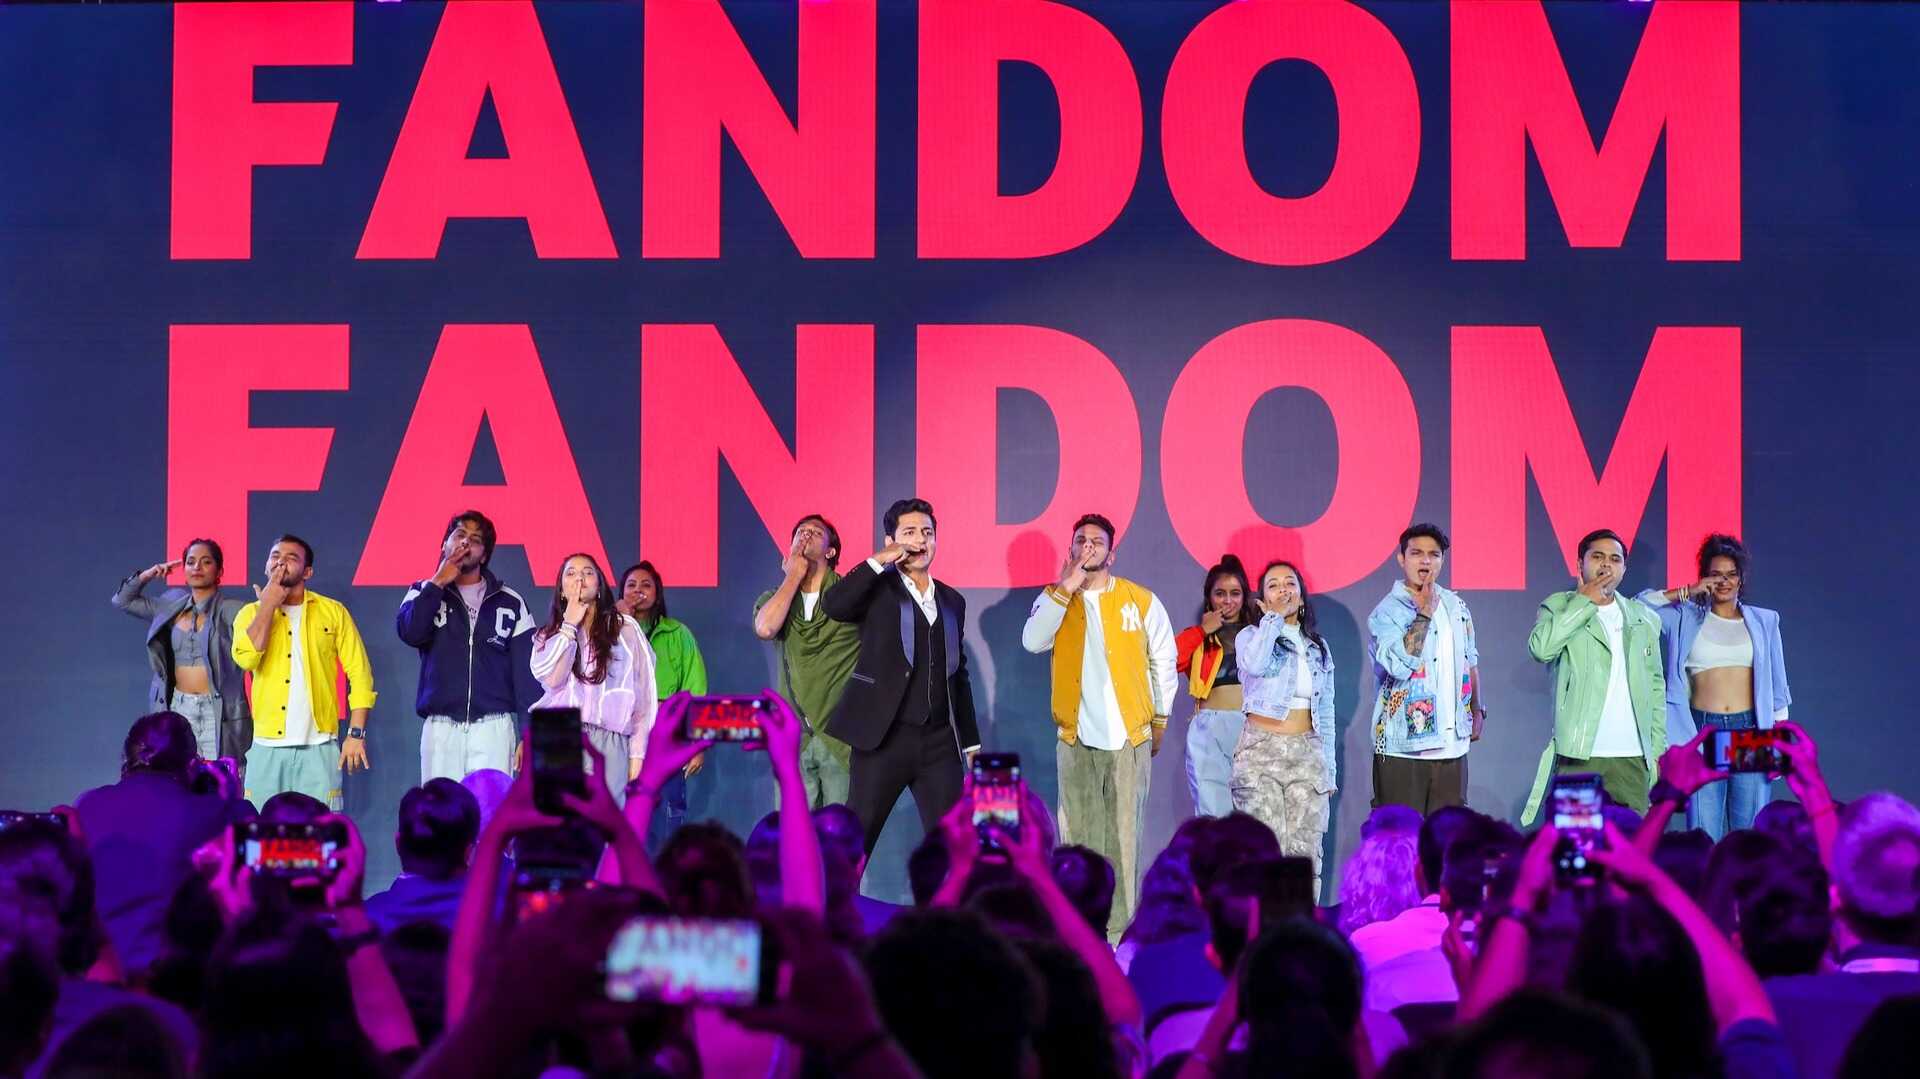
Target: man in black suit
x=908, y=706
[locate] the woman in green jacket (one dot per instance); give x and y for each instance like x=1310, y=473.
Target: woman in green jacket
x=676, y=664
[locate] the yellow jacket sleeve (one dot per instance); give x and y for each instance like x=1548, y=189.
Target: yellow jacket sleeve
x=244, y=653
x=353, y=660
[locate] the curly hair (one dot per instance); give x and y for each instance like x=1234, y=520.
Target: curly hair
x=1378, y=882
x=1721, y=545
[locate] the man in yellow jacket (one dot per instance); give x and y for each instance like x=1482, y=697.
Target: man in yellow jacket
x=1113, y=683
x=292, y=640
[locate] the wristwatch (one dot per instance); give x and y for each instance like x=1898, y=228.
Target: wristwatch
x=1664, y=791
x=357, y=732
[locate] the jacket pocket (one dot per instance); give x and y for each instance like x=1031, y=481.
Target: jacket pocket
x=858, y=677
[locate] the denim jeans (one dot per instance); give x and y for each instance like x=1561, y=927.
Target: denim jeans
x=203, y=715
x=1211, y=736
x=1719, y=808
x=672, y=814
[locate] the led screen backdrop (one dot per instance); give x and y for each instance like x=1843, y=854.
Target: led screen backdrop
x=660, y=278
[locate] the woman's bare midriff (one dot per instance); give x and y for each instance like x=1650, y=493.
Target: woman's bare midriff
x=1224, y=699
x=1723, y=690
x=192, y=680
x=1298, y=721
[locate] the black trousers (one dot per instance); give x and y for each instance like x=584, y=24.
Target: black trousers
x=1425, y=785
x=924, y=759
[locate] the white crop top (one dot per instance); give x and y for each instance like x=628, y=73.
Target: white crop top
x=1723, y=642
x=1302, y=670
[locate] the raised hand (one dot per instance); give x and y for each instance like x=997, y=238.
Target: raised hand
x=1625, y=862
x=1427, y=600
x=1685, y=767
x=1599, y=588
x=1073, y=576
x=578, y=606
x=226, y=873
x=784, y=728
x=598, y=808
x=1025, y=849
x=453, y=558
x=274, y=594
x=668, y=750
x=961, y=837
x=1211, y=622
x=1803, y=764
x=158, y=569
x=517, y=812
x=800, y=555
x=344, y=890
x=890, y=554
x=1535, y=879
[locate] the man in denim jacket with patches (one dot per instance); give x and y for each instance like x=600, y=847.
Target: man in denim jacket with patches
x=1427, y=711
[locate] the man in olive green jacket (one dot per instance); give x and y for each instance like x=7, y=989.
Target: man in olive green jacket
x=1609, y=705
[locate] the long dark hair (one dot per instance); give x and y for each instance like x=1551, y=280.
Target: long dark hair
x=1228, y=566
x=659, y=586
x=1309, y=624
x=602, y=630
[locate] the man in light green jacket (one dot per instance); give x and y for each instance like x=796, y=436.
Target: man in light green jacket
x=1609, y=705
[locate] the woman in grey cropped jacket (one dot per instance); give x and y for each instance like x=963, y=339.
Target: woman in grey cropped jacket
x=190, y=648
x=1725, y=669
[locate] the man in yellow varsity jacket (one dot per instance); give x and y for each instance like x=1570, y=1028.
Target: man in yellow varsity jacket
x=1113, y=687
x=292, y=640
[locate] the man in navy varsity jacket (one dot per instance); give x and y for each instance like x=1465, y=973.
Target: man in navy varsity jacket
x=475, y=638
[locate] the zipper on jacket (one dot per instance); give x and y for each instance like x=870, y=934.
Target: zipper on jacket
x=473, y=620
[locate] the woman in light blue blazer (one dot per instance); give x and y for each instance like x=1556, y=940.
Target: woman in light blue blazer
x=1726, y=669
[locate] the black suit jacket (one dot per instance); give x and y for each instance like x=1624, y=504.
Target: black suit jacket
x=881, y=606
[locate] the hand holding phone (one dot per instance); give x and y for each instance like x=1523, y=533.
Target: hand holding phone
x=1747, y=751
x=289, y=850
x=1577, y=801
x=723, y=962
x=558, y=763
x=995, y=791
x=725, y=719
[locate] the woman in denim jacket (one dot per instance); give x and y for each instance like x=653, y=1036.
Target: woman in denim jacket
x=1283, y=767
x=1725, y=669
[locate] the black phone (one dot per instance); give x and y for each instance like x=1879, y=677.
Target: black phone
x=550, y=864
x=1746, y=751
x=1578, y=801
x=996, y=795
x=725, y=719
x=535, y=891
x=723, y=962
x=288, y=849
x=11, y=817
x=559, y=762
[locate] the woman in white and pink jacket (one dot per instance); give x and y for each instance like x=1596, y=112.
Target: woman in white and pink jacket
x=591, y=657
